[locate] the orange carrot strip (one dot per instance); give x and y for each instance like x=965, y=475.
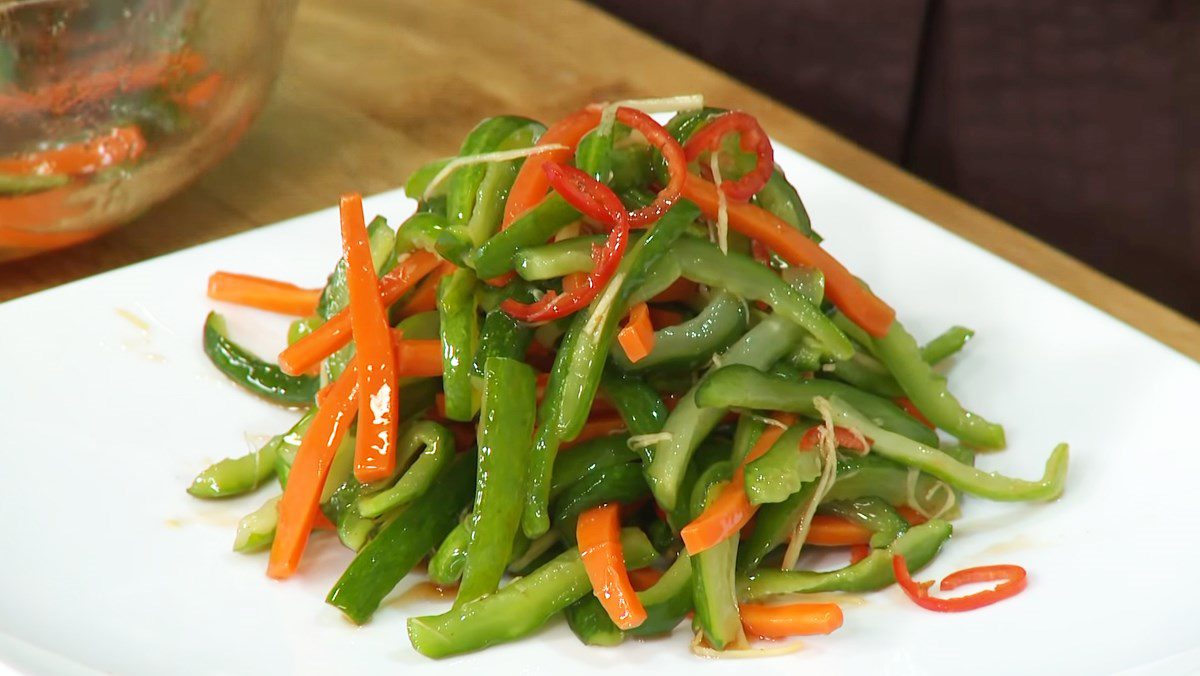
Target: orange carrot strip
x=644, y=578
x=375, y=443
x=532, y=183
x=637, y=338
x=263, y=293
x=424, y=297
x=860, y=305
x=732, y=510
x=201, y=93
x=792, y=619
x=23, y=218
x=574, y=281
x=599, y=534
x=19, y=238
x=334, y=334
x=60, y=97
x=596, y=428
x=417, y=358
x=833, y=531
x=86, y=157
x=301, y=498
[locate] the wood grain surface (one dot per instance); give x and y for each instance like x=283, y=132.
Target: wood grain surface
x=371, y=89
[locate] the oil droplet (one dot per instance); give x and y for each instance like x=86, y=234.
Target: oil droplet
x=424, y=591
x=173, y=523
x=1019, y=543
x=223, y=518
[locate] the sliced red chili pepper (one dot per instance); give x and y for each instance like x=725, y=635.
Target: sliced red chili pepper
x=1012, y=582
x=753, y=139
x=911, y=409
x=529, y=187
x=859, y=552
x=597, y=201
x=671, y=151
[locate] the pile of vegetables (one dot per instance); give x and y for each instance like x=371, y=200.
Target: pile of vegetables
x=606, y=370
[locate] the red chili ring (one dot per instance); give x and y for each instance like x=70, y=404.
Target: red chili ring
x=671, y=151
x=1013, y=581
x=597, y=201
x=753, y=139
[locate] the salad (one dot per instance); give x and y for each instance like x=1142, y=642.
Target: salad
x=606, y=370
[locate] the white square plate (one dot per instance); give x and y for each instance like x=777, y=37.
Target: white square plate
x=109, y=407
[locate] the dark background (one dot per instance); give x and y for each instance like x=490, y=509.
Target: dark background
x=1076, y=120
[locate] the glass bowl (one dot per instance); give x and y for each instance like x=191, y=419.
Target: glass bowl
x=109, y=106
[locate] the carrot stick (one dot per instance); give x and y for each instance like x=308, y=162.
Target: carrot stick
x=859, y=304
x=19, y=238
x=301, y=498
x=793, y=619
x=637, y=338
x=599, y=534
x=334, y=334
x=263, y=293
x=596, y=428
x=732, y=510
x=23, y=217
x=644, y=578
x=375, y=444
x=76, y=159
x=573, y=281
x=531, y=183
x=417, y=358
x=424, y=297
x=833, y=531
x=60, y=97
x=201, y=93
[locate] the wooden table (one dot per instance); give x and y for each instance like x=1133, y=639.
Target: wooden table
x=371, y=89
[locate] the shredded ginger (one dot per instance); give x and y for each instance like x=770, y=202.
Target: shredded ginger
x=604, y=305
x=639, y=441
x=827, y=446
x=486, y=158
x=722, y=206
